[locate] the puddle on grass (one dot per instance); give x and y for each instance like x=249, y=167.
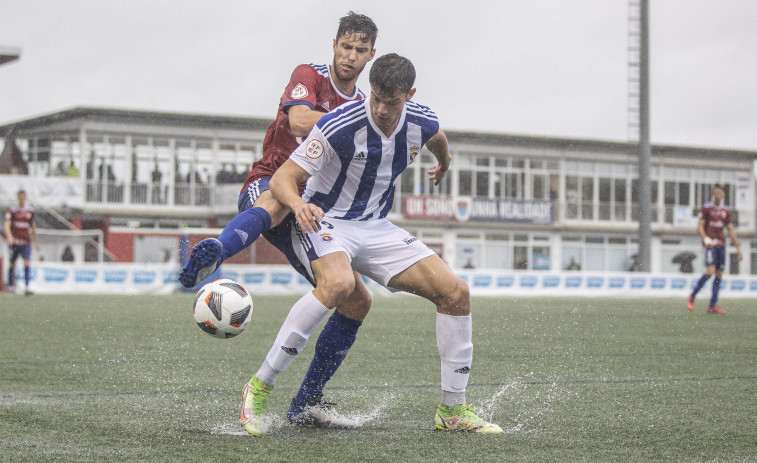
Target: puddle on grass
x=273, y=422
x=270, y=423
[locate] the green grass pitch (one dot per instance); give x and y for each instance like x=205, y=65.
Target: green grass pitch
x=132, y=378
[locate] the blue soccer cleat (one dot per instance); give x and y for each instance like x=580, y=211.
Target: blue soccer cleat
x=203, y=261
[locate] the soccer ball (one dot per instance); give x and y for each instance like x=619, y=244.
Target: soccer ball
x=223, y=308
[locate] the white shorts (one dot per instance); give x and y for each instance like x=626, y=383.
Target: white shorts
x=376, y=248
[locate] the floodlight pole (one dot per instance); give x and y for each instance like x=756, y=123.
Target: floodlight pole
x=645, y=151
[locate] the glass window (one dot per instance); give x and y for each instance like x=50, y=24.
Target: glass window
x=540, y=258
x=468, y=255
x=617, y=259
x=407, y=181
x=464, y=186
x=520, y=257
x=539, y=186
x=587, y=198
x=482, y=184
x=571, y=258
x=497, y=256
x=595, y=259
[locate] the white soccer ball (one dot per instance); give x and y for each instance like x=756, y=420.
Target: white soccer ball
x=223, y=308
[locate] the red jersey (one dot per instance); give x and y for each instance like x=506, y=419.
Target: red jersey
x=716, y=220
x=310, y=85
x=21, y=220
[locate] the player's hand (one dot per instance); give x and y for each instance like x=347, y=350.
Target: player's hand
x=708, y=242
x=437, y=173
x=308, y=215
x=10, y=240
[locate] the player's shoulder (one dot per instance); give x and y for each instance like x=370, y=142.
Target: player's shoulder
x=320, y=70
x=419, y=110
x=346, y=115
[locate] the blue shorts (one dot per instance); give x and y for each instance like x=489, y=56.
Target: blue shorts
x=23, y=250
x=282, y=236
x=715, y=256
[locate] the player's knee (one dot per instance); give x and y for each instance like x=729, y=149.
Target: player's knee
x=337, y=290
x=456, y=298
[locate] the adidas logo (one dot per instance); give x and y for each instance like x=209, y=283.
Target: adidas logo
x=243, y=235
x=463, y=370
x=361, y=156
x=293, y=350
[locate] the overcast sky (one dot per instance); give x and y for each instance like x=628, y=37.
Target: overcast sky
x=533, y=67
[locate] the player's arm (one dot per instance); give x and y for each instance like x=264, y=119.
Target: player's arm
x=705, y=239
x=283, y=186
x=439, y=147
x=8, y=235
x=734, y=240
x=34, y=235
x=302, y=119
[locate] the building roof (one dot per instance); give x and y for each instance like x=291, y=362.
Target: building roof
x=185, y=120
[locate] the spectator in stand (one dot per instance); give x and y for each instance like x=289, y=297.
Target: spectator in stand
x=72, y=171
x=573, y=265
x=68, y=255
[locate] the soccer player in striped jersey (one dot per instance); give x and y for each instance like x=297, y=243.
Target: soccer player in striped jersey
x=313, y=90
x=714, y=218
x=351, y=161
x=19, y=231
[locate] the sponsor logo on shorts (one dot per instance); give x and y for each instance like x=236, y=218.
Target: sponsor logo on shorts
x=409, y=240
x=299, y=92
x=314, y=149
x=326, y=237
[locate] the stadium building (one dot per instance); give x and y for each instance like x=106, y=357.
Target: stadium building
x=143, y=180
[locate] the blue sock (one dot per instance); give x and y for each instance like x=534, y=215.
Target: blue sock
x=243, y=230
x=715, y=291
x=26, y=276
x=11, y=276
x=699, y=284
x=334, y=342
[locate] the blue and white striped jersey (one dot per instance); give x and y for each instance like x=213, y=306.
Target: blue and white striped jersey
x=354, y=166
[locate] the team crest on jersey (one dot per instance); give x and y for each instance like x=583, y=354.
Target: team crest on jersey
x=299, y=92
x=315, y=149
x=326, y=237
x=414, y=152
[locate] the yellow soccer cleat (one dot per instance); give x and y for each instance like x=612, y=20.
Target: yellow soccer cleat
x=462, y=418
x=254, y=404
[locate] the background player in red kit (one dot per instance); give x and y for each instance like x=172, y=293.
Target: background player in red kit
x=19, y=231
x=714, y=217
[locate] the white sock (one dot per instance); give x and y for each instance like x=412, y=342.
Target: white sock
x=454, y=339
x=304, y=318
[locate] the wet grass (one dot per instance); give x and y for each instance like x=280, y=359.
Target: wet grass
x=123, y=378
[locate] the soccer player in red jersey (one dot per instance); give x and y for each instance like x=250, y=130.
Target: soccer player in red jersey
x=714, y=218
x=312, y=91
x=19, y=231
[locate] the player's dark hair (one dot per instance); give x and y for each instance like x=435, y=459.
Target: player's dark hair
x=390, y=73
x=717, y=185
x=355, y=23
